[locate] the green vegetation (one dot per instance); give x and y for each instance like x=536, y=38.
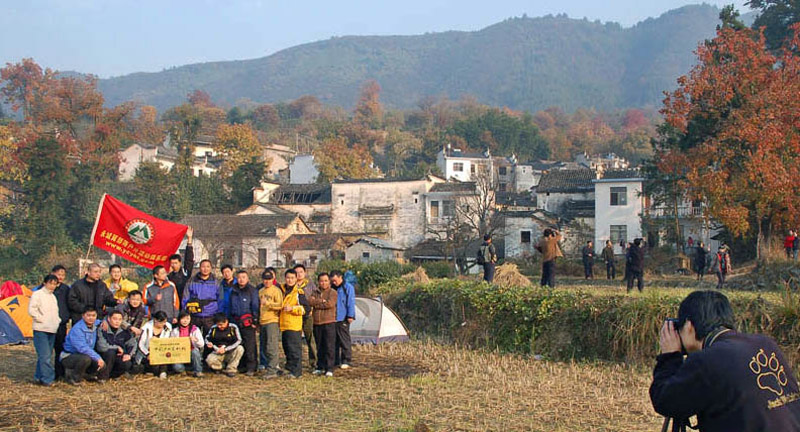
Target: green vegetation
x=578, y=322
x=522, y=63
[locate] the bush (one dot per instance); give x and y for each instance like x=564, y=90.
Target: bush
x=438, y=269
x=368, y=275
x=565, y=325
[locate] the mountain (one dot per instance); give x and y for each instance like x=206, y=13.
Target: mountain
x=523, y=63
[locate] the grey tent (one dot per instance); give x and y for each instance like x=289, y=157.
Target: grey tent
x=375, y=323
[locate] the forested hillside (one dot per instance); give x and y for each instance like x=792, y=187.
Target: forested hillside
x=522, y=63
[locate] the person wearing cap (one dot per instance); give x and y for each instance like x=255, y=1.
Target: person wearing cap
x=721, y=264
x=487, y=257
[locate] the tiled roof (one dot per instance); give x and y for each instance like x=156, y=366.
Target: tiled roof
x=515, y=199
x=379, y=243
x=302, y=194
x=226, y=225
x=454, y=187
x=566, y=181
x=311, y=242
x=380, y=180
x=622, y=174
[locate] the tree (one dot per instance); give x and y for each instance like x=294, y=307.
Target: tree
x=777, y=18
x=45, y=225
x=336, y=160
x=244, y=179
x=369, y=111
x=265, y=117
x=238, y=145
x=734, y=119
x=200, y=98
x=153, y=192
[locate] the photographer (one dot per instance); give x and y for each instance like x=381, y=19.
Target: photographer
x=731, y=381
x=549, y=249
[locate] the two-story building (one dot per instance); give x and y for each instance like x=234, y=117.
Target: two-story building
x=461, y=166
x=619, y=204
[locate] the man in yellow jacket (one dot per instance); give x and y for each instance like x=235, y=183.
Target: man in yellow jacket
x=118, y=284
x=270, y=299
x=291, y=323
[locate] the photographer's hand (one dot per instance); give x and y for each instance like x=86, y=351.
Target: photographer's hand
x=670, y=340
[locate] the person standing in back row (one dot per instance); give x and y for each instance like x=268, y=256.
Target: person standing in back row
x=635, y=265
x=487, y=257
x=588, y=260
x=548, y=247
x=608, y=258
x=181, y=270
x=345, y=315
x=43, y=309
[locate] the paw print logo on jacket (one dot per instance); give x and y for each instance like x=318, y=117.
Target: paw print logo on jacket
x=769, y=372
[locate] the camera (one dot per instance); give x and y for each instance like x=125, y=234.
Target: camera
x=675, y=323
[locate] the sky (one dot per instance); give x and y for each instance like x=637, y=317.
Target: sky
x=117, y=37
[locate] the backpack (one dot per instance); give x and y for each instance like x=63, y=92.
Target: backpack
x=484, y=255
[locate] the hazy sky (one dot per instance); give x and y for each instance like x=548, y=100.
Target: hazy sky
x=115, y=37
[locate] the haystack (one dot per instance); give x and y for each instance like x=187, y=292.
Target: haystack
x=508, y=275
x=419, y=275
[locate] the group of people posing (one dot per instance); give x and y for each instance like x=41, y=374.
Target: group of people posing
x=233, y=326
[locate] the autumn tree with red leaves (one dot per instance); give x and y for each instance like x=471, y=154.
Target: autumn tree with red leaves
x=731, y=134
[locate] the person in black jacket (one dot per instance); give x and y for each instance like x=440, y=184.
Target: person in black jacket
x=181, y=270
x=588, y=260
x=89, y=291
x=700, y=254
x=61, y=293
x=635, y=265
x=244, y=311
x=731, y=381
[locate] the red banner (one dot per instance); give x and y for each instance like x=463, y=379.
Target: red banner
x=135, y=235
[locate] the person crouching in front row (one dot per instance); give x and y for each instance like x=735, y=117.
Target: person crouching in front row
x=225, y=343
x=185, y=328
x=117, y=347
x=79, y=358
x=158, y=327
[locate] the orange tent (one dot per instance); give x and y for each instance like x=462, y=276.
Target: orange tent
x=17, y=308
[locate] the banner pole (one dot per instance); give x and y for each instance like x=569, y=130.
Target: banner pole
x=96, y=222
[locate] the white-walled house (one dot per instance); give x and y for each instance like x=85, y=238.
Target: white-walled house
x=386, y=208
x=461, y=166
x=371, y=250
x=251, y=240
x=619, y=204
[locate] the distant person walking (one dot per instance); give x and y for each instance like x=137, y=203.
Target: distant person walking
x=548, y=247
x=795, y=245
x=788, y=243
x=635, y=265
x=700, y=260
x=487, y=257
x=588, y=260
x=722, y=265
x=608, y=258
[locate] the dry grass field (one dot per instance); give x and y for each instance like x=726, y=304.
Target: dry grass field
x=419, y=386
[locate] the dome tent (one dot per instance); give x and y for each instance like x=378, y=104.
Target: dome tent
x=375, y=323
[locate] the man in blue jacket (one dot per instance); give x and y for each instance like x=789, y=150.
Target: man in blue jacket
x=243, y=311
x=203, y=297
x=345, y=314
x=79, y=356
x=226, y=285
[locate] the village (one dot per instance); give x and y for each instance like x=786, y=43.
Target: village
x=439, y=217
